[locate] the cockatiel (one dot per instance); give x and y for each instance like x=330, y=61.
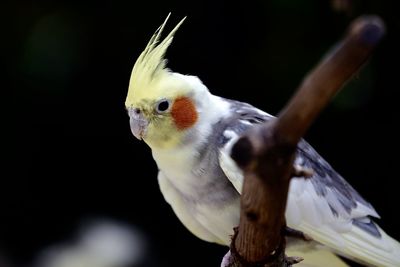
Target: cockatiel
x=191, y=131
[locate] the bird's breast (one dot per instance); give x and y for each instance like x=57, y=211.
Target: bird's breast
x=200, y=182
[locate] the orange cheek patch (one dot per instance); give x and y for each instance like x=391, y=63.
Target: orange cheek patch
x=184, y=113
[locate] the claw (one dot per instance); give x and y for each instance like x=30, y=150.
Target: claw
x=293, y=260
x=290, y=232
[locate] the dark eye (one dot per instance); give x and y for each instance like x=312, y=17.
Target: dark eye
x=162, y=106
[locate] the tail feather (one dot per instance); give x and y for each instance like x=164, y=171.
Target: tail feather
x=370, y=250
x=358, y=245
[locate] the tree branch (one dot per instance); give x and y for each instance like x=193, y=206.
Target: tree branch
x=266, y=153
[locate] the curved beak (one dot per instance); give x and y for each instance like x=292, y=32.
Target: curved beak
x=138, y=123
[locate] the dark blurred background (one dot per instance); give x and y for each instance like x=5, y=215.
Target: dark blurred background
x=70, y=157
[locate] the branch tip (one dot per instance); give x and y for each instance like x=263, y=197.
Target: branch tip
x=370, y=29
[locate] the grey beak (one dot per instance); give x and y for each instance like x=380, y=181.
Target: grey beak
x=138, y=123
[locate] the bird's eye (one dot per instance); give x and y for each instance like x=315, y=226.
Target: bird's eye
x=162, y=106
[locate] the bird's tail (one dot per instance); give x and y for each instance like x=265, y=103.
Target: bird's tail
x=369, y=250
x=360, y=246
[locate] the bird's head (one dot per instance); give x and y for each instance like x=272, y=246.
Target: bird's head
x=163, y=106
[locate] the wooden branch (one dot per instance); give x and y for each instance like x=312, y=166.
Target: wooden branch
x=266, y=153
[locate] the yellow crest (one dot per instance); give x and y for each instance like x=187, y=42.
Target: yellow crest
x=151, y=63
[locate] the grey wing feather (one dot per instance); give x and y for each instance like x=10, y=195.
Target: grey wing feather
x=343, y=201
x=326, y=179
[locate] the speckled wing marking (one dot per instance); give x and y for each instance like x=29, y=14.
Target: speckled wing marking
x=343, y=201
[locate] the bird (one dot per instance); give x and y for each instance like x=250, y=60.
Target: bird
x=191, y=133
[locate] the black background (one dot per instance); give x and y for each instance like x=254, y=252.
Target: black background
x=70, y=156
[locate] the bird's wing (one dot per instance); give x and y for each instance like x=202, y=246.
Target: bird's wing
x=328, y=209
x=324, y=206
x=326, y=198
x=242, y=117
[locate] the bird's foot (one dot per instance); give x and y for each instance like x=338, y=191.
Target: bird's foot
x=290, y=232
x=292, y=260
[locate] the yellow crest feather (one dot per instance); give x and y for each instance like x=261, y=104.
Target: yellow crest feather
x=151, y=62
